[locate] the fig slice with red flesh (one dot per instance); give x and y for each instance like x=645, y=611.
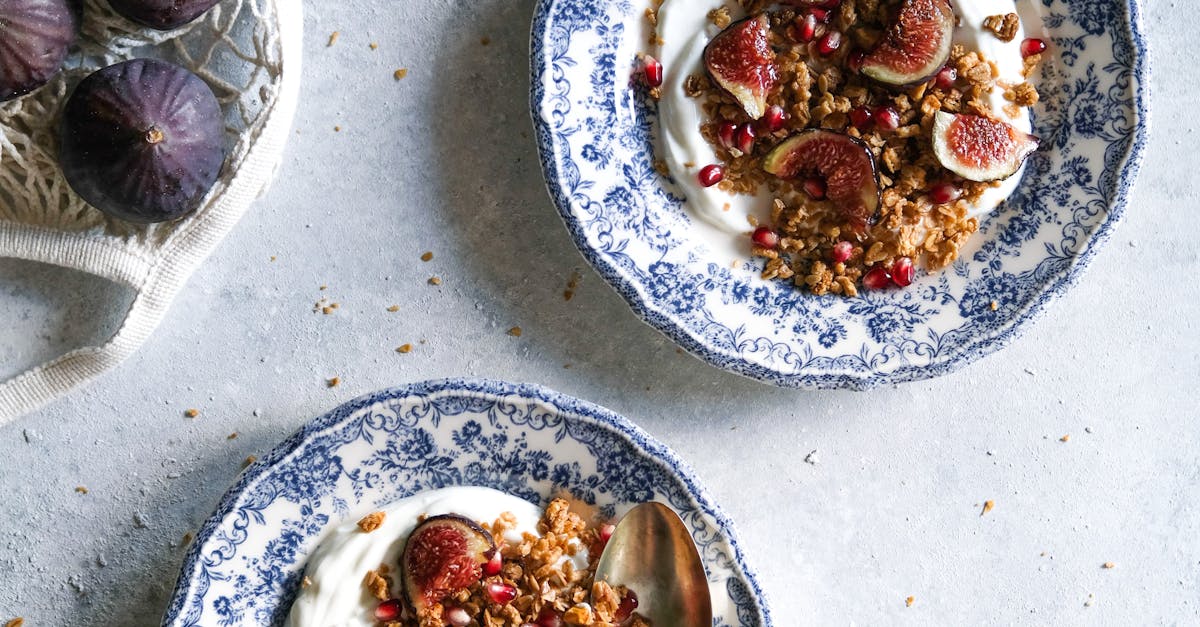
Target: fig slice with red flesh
x=978, y=148
x=443, y=554
x=844, y=162
x=740, y=60
x=915, y=46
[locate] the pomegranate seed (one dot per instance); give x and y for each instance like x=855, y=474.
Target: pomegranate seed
x=842, y=251
x=943, y=193
x=629, y=603
x=822, y=15
x=854, y=62
x=902, y=271
x=711, y=175
x=764, y=237
x=876, y=279
x=494, y=564
x=744, y=139
x=654, y=71
x=500, y=592
x=946, y=77
x=389, y=611
x=815, y=188
x=774, y=118
x=725, y=133
x=548, y=617
x=861, y=117
x=830, y=43
x=457, y=616
x=1032, y=46
x=606, y=531
x=806, y=28
x=887, y=119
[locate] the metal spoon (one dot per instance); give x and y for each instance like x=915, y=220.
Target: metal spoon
x=652, y=554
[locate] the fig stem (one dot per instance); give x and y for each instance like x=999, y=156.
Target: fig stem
x=154, y=136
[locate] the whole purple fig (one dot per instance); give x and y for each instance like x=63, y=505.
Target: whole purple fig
x=143, y=140
x=34, y=38
x=162, y=14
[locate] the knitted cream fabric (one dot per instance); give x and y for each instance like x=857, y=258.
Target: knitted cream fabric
x=248, y=51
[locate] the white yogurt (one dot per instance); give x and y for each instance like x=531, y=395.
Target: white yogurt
x=336, y=596
x=685, y=30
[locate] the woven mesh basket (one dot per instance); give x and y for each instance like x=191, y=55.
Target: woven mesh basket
x=249, y=52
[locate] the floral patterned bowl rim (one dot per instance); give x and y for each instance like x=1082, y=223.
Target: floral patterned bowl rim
x=595, y=132
x=246, y=562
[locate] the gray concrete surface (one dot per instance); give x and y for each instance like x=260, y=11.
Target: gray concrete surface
x=444, y=161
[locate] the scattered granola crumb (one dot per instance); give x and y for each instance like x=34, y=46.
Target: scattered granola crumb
x=1004, y=27
x=515, y=331
x=579, y=615
x=572, y=284
x=393, y=308
x=306, y=582
x=337, y=129
x=333, y=37
x=994, y=305
x=909, y=601
x=273, y=258
x=377, y=584
x=1065, y=438
x=400, y=73
x=16, y=622
x=334, y=382
x=191, y=413
x=405, y=348
x=232, y=436
x=987, y=507
x=433, y=280
x=1109, y=565
x=485, y=41
x=250, y=459
x=323, y=288
x=81, y=489
x=371, y=522
x=374, y=45
x=428, y=256
x=187, y=539
x=327, y=310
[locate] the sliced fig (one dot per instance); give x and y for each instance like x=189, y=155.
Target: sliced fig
x=915, y=46
x=844, y=162
x=740, y=60
x=35, y=36
x=143, y=140
x=162, y=14
x=978, y=148
x=443, y=555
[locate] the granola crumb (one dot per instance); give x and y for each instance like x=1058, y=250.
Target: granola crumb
x=377, y=583
x=485, y=41
x=1004, y=27
x=909, y=601
x=433, y=280
x=306, y=582
x=515, y=331
x=404, y=349
x=1109, y=565
x=400, y=73
x=374, y=45
x=333, y=382
x=994, y=305
x=1065, y=438
x=580, y=614
x=250, y=459
x=333, y=37
x=337, y=129
x=191, y=413
x=273, y=258
x=393, y=308
x=572, y=285
x=232, y=436
x=987, y=507
x=371, y=522
x=16, y=622
x=187, y=539
x=428, y=256
x=81, y=489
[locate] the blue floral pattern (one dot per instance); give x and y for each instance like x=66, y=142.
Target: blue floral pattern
x=595, y=132
x=248, y=559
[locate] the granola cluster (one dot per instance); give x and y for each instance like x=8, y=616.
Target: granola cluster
x=818, y=91
x=537, y=569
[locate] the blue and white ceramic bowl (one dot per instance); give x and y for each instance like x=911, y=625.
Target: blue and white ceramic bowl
x=246, y=563
x=595, y=134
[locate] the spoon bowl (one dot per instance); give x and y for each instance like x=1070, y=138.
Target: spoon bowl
x=652, y=554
